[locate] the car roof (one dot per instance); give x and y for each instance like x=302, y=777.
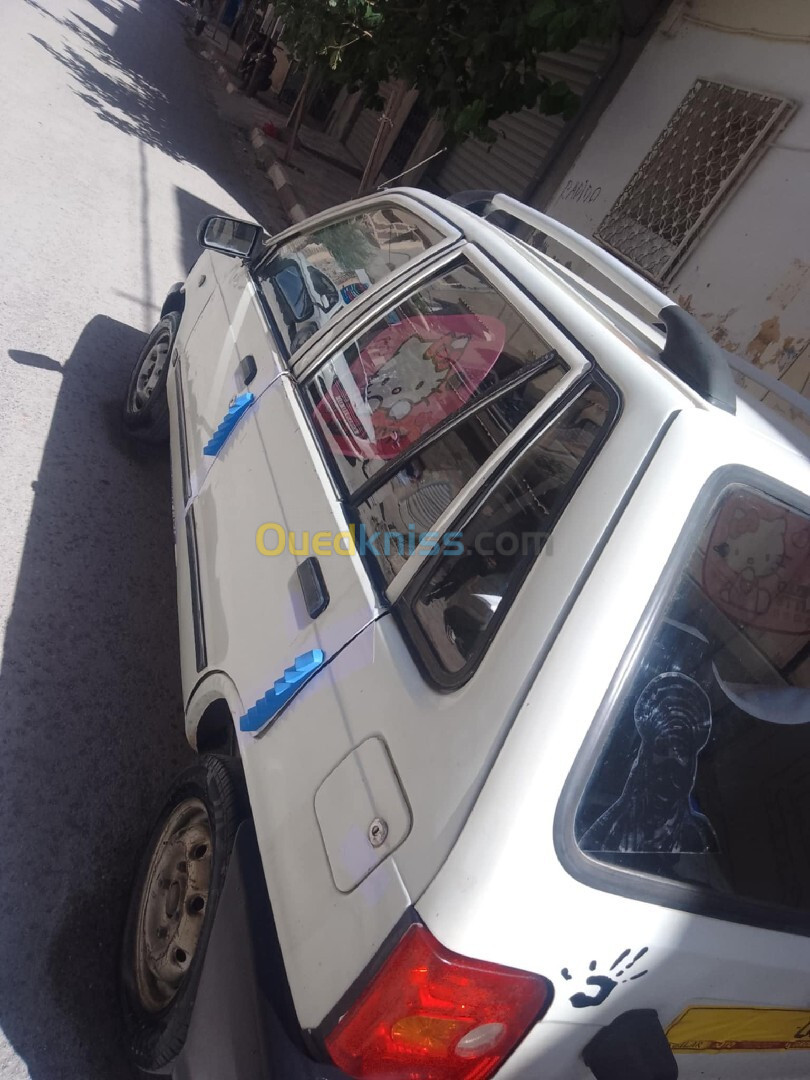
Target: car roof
x=783, y=416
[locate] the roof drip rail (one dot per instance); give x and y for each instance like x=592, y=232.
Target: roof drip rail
x=791, y=397
x=480, y=203
x=689, y=351
x=650, y=299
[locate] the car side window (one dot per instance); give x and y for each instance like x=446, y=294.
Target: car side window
x=308, y=279
x=454, y=342
x=406, y=507
x=702, y=776
x=453, y=610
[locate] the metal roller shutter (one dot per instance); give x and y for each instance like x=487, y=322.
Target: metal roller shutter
x=525, y=139
x=364, y=130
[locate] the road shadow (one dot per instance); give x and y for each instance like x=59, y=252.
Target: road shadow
x=92, y=726
x=140, y=78
x=35, y=360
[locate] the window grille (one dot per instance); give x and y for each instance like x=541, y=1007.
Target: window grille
x=712, y=138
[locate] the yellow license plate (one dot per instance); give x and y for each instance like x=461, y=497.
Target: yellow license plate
x=704, y=1029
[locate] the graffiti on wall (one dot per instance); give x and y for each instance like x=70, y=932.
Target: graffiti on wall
x=582, y=191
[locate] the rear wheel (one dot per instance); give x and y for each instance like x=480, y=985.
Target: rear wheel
x=146, y=407
x=172, y=909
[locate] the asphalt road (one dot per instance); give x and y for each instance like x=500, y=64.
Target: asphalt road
x=110, y=153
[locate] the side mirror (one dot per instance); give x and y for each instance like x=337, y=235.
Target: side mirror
x=231, y=237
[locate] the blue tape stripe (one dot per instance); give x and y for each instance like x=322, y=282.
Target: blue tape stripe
x=259, y=715
x=228, y=423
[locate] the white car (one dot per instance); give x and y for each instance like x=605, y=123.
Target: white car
x=494, y=603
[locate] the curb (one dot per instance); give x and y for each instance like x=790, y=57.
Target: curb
x=277, y=175
x=265, y=154
x=222, y=71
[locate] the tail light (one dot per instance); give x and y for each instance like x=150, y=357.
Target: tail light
x=430, y=1014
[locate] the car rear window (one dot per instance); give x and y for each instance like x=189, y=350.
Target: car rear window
x=451, y=343
x=704, y=776
x=311, y=277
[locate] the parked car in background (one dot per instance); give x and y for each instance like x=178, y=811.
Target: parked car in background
x=494, y=604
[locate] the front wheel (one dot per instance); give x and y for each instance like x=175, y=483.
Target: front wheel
x=146, y=406
x=172, y=909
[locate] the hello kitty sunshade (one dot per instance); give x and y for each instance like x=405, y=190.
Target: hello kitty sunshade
x=757, y=566
x=408, y=378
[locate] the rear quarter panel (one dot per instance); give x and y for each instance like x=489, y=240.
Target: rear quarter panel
x=503, y=893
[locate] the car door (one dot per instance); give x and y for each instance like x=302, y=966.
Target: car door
x=266, y=507
x=266, y=312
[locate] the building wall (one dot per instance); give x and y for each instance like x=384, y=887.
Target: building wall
x=748, y=275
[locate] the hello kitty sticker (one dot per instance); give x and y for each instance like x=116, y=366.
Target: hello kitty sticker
x=411, y=376
x=757, y=565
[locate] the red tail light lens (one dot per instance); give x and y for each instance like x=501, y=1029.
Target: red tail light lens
x=431, y=1014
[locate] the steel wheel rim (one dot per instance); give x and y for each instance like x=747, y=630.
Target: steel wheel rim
x=149, y=374
x=173, y=903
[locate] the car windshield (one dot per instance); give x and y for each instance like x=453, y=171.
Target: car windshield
x=312, y=276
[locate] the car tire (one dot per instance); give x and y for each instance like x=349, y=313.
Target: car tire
x=171, y=912
x=146, y=406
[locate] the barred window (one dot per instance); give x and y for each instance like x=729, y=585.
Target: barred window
x=713, y=137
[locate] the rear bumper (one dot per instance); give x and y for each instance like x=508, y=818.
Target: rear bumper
x=243, y=1026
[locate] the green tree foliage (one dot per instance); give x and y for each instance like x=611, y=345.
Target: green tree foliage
x=472, y=60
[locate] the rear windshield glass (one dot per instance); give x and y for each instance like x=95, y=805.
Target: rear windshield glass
x=705, y=774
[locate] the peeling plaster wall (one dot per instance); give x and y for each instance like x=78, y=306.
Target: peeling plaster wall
x=748, y=277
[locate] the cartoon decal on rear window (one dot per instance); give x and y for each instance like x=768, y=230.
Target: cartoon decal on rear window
x=410, y=377
x=452, y=343
x=705, y=773
x=757, y=565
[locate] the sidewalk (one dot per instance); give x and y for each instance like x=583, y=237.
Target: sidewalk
x=321, y=172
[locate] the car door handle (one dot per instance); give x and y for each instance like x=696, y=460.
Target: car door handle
x=247, y=365
x=231, y=418
x=316, y=594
